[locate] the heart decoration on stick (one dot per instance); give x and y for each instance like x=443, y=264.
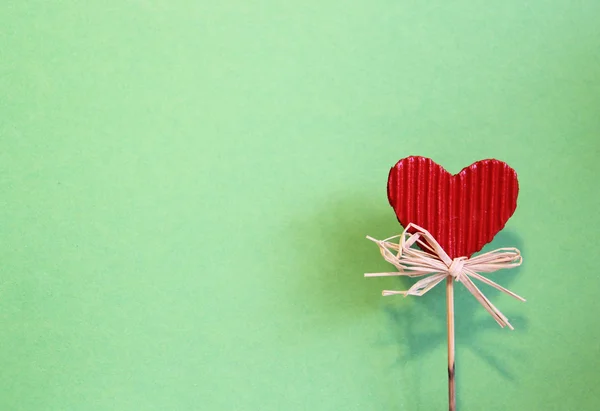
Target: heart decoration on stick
x=447, y=218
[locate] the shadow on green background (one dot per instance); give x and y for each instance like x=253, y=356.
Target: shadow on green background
x=332, y=247
x=474, y=332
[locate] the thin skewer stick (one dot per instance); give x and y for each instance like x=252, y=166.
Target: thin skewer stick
x=451, y=364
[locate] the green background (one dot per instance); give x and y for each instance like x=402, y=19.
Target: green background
x=186, y=187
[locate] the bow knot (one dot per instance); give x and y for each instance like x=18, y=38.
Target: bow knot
x=456, y=268
x=434, y=264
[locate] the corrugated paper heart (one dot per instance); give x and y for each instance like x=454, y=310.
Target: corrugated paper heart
x=462, y=211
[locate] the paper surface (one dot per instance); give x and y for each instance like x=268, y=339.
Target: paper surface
x=185, y=187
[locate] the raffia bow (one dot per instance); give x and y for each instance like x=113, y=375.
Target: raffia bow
x=433, y=263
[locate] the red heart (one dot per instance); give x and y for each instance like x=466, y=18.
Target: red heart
x=463, y=211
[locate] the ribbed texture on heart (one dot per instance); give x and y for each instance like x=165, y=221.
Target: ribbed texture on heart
x=463, y=211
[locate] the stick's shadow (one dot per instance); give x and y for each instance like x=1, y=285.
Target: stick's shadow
x=337, y=254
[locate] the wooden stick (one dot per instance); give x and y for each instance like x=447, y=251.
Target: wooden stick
x=451, y=364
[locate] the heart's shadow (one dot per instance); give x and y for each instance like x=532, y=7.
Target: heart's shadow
x=335, y=250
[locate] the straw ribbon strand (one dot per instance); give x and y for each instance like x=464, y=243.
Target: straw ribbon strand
x=434, y=264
